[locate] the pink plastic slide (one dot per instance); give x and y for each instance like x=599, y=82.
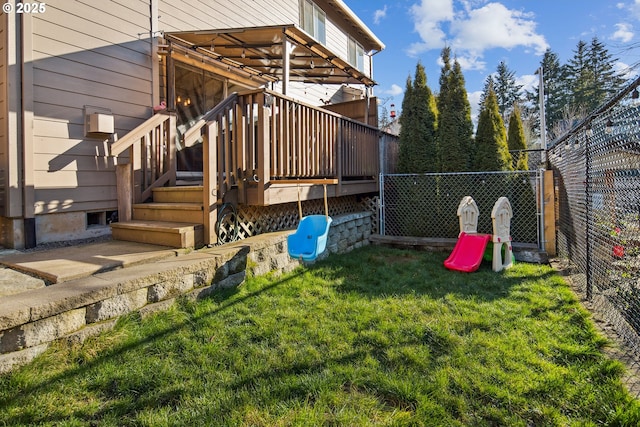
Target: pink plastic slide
x=468, y=252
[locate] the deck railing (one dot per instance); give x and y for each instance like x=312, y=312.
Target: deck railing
x=250, y=140
x=219, y=172
x=151, y=161
x=273, y=137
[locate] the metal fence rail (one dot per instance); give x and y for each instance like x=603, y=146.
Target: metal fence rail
x=425, y=205
x=597, y=172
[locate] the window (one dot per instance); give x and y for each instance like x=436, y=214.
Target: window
x=196, y=92
x=356, y=54
x=313, y=21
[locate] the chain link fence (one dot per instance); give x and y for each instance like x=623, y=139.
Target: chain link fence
x=597, y=173
x=426, y=205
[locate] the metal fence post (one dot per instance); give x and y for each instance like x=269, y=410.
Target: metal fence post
x=587, y=190
x=540, y=182
x=381, y=208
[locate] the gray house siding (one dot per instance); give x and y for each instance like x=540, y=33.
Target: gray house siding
x=74, y=65
x=100, y=55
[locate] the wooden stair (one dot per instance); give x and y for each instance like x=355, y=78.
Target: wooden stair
x=174, y=218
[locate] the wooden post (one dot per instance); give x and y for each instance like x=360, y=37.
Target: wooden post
x=216, y=129
x=339, y=154
x=549, y=213
x=263, y=170
x=326, y=206
x=299, y=204
x=124, y=185
x=209, y=191
x=171, y=149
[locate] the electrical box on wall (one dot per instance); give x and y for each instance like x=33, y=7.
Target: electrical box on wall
x=99, y=122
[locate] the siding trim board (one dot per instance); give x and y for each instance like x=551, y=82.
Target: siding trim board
x=4, y=113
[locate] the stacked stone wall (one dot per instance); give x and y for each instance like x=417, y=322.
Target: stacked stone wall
x=74, y=310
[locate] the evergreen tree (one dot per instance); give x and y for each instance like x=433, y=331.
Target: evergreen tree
x=522, y=194
x=608, y=81
x=574, y=89
x=592, y=80
x=383, y=117
x=492, y=152
x=516, y=140
x=555, y=86
x=581, y=79
x=488, y=83
x=445, y=73
x=406, y=147
x=507, y=91
x=418, y=145
x=455, y=127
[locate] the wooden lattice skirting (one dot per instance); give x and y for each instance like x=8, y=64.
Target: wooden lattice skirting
x=254, y=220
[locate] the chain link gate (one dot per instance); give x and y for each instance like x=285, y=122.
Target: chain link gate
x=426, y=205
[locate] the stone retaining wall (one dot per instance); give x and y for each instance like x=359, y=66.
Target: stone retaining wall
x=269, y=251
x=74, y=310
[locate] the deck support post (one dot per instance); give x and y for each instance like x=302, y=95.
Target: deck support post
x=263, y=170
x=286, y=64
x=209, y=184
x=124, y=184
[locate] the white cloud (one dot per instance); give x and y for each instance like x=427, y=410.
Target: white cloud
x=625, y=70
x=416, y=49
x=495, y=26
x=624, y=32
x=473, y=29
x=394, y=90
x=528, y=81
x=474, y=102
x=379, y=14
x=427, y=17
x=471, y=61
x=635, y=8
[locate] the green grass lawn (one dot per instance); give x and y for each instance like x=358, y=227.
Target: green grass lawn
x=375, y=337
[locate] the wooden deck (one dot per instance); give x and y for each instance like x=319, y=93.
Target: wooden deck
x=277, y=192
x=259, y=148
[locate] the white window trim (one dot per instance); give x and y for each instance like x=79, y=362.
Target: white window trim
x=317, y=12
x=358, y=55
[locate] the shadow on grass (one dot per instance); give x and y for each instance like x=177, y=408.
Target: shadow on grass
x=371, y=272
x=223, y=297
x=382, y=271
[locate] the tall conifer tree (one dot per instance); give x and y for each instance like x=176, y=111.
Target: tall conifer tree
x=406, y=154
x=516, y=140
x=455, y=127
x=492, y=152
x=445, y=71
x=581, y=79
x=418, y=149
x=507, y=90
x=556, y=88
x=601, y=63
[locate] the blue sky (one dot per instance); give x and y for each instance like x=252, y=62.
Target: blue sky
x=481, y=33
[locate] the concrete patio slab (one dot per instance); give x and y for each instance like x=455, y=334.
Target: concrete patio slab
x=74, y=262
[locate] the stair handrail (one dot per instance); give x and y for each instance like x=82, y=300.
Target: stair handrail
x=211, y=178
x=195, y=131
x=151, y=147
x=133, y=136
